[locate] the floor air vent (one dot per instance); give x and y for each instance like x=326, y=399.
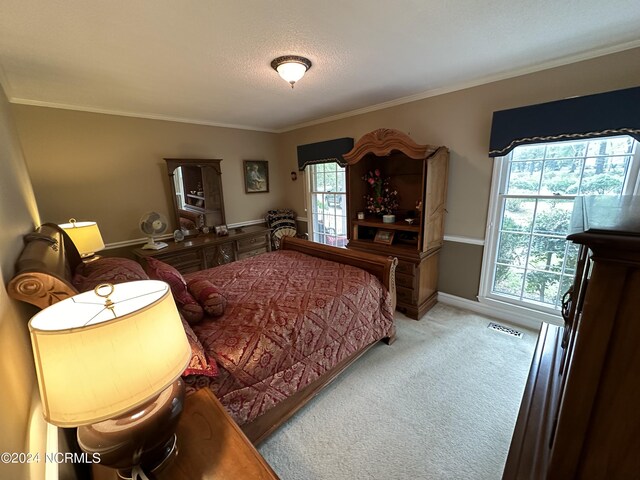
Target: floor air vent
x=506, y=330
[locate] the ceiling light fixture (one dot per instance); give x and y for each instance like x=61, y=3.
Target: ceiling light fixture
x=291, y=67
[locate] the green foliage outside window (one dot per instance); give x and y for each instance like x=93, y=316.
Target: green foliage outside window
x=533, y=260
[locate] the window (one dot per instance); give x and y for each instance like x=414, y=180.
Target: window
x=328, y=201
x=527, y=260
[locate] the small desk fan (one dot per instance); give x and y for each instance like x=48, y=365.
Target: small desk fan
x=153, y=224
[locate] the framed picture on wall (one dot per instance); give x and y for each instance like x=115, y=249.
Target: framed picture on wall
x=256, y=176
x=384, y=236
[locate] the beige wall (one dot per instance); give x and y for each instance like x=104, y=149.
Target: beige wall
x=462, y=121
x=18, y=395
x=110, y=168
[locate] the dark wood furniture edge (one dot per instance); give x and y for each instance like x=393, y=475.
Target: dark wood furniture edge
x=215, y=403
x=592, y=345
x=45, y=267
x=527, y=443
x=208, y=442
x=384, y=268
x=588, y=426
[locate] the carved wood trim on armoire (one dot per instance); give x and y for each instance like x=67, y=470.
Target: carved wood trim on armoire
x=419, y=174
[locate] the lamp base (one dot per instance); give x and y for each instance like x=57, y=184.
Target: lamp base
x=141, y=440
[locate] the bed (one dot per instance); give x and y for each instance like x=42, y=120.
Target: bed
x=294, y=319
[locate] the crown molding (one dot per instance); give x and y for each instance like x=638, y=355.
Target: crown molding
x=148, y=116
x=4, y=81
x=471, y=83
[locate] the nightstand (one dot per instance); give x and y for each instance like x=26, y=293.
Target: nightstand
x=210, y=446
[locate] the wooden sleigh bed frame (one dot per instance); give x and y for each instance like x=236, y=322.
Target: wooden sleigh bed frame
x=45, y=268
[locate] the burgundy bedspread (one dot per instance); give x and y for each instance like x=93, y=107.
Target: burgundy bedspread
x=289, y=318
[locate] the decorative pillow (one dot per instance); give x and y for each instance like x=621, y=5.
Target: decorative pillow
x=208, y=296
x=187, y=305
x=107, y=270
x=200, y=364
x=191, y=310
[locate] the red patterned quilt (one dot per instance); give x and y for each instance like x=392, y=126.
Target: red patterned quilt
x=289, y=318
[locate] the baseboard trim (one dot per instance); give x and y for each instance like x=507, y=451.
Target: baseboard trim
x=515, y=319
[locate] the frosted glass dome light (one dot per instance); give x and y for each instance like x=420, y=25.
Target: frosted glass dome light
x=291, y=68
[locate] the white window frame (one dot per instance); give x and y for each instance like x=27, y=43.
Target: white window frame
x=309, y=192
x=499, y=179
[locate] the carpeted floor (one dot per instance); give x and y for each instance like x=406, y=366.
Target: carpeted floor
x=440, y=403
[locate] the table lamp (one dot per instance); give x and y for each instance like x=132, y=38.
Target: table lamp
x=109, y=362
x=85, y=236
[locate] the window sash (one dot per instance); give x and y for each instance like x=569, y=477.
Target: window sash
x=497, y=202
x=328, y=222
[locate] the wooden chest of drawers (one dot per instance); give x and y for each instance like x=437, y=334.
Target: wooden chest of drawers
x=579, y=416
x=207, y=251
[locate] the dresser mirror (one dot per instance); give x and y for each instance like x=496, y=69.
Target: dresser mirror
x=196, y=187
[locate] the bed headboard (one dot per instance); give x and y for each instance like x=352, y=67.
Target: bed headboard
x=45, y=267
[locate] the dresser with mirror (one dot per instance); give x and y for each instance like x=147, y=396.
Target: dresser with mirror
x=196, y=190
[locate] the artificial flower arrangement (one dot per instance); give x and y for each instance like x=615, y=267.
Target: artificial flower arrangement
x=383, y=200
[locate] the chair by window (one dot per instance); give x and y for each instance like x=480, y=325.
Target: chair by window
x=282, y=223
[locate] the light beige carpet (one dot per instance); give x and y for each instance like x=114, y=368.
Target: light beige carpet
x=440, y=403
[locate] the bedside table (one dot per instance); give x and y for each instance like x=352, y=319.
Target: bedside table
x=210, y=446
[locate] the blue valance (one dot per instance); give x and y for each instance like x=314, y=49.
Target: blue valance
x=324, y=152
x=590, y=116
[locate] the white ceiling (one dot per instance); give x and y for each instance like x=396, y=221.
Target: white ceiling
x=208, y=61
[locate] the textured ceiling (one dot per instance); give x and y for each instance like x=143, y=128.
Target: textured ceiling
x=208, y=61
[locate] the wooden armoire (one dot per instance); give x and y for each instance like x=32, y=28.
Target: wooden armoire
x=580, y=413
x=419, y=174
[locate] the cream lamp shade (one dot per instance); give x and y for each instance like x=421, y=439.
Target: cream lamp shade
x=85, y=236
x=101, y=353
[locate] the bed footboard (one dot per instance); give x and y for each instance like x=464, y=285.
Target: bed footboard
x=384, y=268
